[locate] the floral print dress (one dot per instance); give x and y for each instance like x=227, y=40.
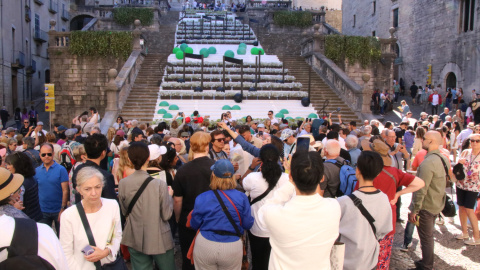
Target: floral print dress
x=471, y=168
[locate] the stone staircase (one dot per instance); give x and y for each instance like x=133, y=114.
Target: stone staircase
x=143, y=96
x=141, y=102
x=320, y=91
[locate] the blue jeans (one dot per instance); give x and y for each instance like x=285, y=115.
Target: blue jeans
x=396, y=96
x=48, y=218
x=409, y=229
x=447, y=103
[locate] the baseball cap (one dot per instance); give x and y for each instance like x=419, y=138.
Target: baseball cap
x=120, y=133
x=283, y=126
x=286, y=133
x=10, y=129
x=156, y=151
x=223, y=168
x=39, y=123
x=61, y=128
x=261, y=126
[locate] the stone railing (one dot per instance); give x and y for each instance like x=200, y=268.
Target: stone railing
x=119, y=86
x=90, y=25
x=347, y=89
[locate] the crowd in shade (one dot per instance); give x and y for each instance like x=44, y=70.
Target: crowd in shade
x=234, y=193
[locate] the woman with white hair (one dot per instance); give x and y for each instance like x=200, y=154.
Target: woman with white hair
x=467, y=190
x=102, y=217
x=351, y=142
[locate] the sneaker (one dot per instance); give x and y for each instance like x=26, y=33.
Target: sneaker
x=440, y=221
x=472, y=242
x=404, y=247
x=462, y=236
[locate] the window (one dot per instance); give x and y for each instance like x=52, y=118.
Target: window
x=354, y=20
x=395, y=18
x=373, y=34
x=37, y=24
x=467, y=13
x=374, y=7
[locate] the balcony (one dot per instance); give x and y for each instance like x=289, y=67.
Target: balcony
x=40, y=36
x=33, y=68
x=65, y=15
x=40, y=2
x=28, y=14
x=18, y=60
x=53, y=7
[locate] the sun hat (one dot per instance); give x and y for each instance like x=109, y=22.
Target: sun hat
x=9, y=183
x=223, y=168
x=156, y=151
x=379, y=147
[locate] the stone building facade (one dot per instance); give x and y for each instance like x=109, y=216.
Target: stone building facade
x=316, y=4
x=24, y=60
x=443, y=34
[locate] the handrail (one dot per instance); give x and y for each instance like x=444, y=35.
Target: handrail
x=90, y=25
x=347, y=89
x=330, y=29
x=127, y=75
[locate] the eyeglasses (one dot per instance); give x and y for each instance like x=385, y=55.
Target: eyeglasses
x=46, y=154
x=219, y=140
x=269, y=114
x=475, y=141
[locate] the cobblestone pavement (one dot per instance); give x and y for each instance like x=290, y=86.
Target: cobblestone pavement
x=449, y=252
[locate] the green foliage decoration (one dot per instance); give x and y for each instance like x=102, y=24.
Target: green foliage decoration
x=292, y=18
x=101, y=43
x=128, y=15
x=362, y=50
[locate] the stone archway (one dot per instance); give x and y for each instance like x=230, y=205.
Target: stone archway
x=451, y=80
x=447, y=69
x=79, y=21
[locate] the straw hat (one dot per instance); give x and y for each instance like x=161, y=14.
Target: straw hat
x=9, y=183
x=379, y=147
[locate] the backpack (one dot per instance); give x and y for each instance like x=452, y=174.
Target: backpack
x=23, y=250
x=348, y=180
x=67, y=158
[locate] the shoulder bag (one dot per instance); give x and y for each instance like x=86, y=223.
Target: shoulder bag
x=245, y=263
x=118, y=264
x=449, y=209
x=137, y=195
x=358, y=203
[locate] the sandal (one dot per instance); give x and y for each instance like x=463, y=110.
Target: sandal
x=472, y=242
x=462, y=236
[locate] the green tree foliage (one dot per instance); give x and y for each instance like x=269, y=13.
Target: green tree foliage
x=101, y=43
x=127, y=15
x=292, y=18
x=362, y=50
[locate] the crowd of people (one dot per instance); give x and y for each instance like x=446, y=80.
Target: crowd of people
x=285, y=191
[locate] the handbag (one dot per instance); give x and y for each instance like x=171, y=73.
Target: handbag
x=458, y=171
x=337, y=255
x=245, y=263
x=118, y=264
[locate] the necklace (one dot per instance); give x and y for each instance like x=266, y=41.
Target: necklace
x=469, y=171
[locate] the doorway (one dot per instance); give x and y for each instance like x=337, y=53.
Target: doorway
x=451, y=81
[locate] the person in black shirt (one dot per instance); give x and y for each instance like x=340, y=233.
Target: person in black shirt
x=191, y=179
x=25, y=130
x=413, y=92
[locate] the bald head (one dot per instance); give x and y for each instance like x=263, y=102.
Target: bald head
x=432, y=140
x=332, y=149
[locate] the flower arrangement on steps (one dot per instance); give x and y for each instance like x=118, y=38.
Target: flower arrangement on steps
x=212, y=94
x=234, y=85
x=179, y=63
x=210, y=77
x=229, y=70
x=247, y=40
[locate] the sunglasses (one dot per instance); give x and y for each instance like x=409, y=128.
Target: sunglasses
x=46, y=154
x=185, y=136
x=269, y=114
x=219, y=140
x=25, y=122
x=475, y=141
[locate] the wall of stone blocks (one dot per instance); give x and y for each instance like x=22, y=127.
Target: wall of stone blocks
x=79, y=83
x=428, y=33
x=334, y=18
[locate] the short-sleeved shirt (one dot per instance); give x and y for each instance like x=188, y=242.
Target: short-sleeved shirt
x=191, y=180
x=386, y=184
x=472, y=165
x=50, y=186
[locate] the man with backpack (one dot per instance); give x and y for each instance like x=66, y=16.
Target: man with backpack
x=67, y=159
x=389, y=181
x=339, y=176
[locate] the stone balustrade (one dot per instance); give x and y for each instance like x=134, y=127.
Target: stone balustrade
x=269, y=4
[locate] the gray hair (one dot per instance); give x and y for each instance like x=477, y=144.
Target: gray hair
x=87, y=173
x=351, y=141
x=156, y=139
x=367, y=130
x=332, y=147
x=374, y=122
x=97, y=130
x=134, y=123
x=29, y=142
x=11, y=140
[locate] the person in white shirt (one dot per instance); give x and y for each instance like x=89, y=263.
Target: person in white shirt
x=272, y=119
x=303, y=226
x=103, y=216
x=260, y=187
x=39, y=130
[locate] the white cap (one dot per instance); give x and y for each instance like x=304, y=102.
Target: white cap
x=156, y=151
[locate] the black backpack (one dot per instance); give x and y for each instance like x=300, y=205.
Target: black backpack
x=23, y=250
